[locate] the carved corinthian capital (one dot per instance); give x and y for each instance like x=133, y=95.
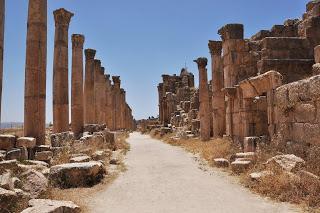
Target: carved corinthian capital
x=90, y=54
x=77, y=41
x=202, y=62
x=62, y=17
x=215, y=47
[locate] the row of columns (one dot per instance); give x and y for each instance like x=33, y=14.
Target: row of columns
x=218, y=117
x=94, y=100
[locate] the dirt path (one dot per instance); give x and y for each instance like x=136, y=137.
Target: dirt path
x=166, y=179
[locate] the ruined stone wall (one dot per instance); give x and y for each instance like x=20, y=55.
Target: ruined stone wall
x=173, y=92
x=297, y=111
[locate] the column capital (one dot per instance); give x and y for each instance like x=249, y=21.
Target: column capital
x=215, y=47
x=202, y=62
x=231, y=31
x=97, y=63
x=116, y=79
x=77, y=40
x=102, y=70
x=90, y=53
x=62, y=17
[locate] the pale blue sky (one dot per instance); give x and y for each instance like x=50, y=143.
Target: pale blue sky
x=138, y=40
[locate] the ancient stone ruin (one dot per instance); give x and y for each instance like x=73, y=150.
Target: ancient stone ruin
x=263, y=88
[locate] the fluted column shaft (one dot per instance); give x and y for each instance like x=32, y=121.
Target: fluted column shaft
x=116, y=93
x=89, y=113
x=108, y=102
x=97, y=69
x=35, y=72
x=218, y=103
x=204, y=100
x=77, y=114
x=60, y=71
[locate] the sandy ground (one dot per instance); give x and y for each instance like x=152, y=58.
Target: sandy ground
x=164, y=179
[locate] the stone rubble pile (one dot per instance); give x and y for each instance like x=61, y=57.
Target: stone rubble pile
x=29, y=177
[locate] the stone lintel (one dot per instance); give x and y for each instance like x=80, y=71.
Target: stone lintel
x=215, y=47
x=202, y=62
x=231, y=31
x=90, y=53
x=62, y=17
x=230, y=91
x=257, y=85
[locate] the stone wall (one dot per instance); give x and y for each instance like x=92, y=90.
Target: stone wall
x=297, y=111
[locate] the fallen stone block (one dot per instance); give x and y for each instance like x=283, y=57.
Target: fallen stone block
x=240, y=166
x=62, y=139
x=7, y=142
x=76, y=174
x=289, y=163
x=9, y=165
x=17, y=154
x=101, y=155
x=36, y=163
x=6, y=181
x=91, y=128
x=247, y=155
x=80, y=159
x=44, y=156
x=8, y=199
x=34, y=182
x=43, y=148
x=221, y=162
x=26, y=142
x=51, y=206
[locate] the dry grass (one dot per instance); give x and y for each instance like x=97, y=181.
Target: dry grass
x=288, y=187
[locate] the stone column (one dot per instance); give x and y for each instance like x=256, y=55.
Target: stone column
x=160, y=93
x=113, y=108
x=122, y=108
x=35, y=71
x=102, y=97
x=117, y=90
x=204, y=99
x=62, y=19
x=233, y=50
x=218, y=104
x=97, y=70
x=108, y=102
x=89, y=113
x=77, y=120
x=2, y=23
